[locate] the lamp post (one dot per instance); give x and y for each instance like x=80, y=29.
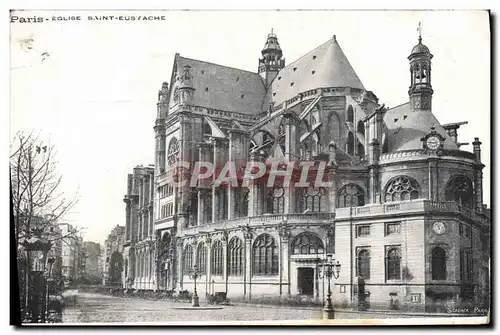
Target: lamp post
x=48, y=279
x=36, y=249
x=194, y=274
x=330, y=269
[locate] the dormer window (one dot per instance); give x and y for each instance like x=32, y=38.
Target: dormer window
x=242, y=96
x=206, y=89
x=202, y=71
x=274, y=93
x=279, y=78
x=314, y=57
x=313, y=72
x=294, y=69
x=237, y=78
x=291, y=84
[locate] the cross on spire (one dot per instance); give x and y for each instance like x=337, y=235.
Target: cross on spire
x=420, y=32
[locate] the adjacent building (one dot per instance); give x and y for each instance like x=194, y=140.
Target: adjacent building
x=71, y=246
x=92, y=271
x=140, y=241
x=404, y=215
x=112, y=263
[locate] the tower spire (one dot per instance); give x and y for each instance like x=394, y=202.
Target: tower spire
x=271, y=62
x=419, y=29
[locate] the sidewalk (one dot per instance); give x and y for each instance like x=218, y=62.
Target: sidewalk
x=354, y=311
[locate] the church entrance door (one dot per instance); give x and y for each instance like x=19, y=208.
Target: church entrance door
x=306, y=281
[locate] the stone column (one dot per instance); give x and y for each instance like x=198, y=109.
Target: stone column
x=208, y=277
x=185, y=156
x=433, y=183
x=179, y=264
x=478, y=175
x=201, y=206
x=247, y=288
x=332, y=192
x=284, y=233
x=373, y=168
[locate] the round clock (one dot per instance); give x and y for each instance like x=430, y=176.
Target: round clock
x=439, y=228
x=433, y=142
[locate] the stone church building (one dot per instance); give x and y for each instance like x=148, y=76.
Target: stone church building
x=404, y=215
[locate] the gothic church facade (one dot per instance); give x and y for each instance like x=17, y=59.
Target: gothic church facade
x=404, y=215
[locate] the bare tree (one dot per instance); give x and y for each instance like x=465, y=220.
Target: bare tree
x=36, y=196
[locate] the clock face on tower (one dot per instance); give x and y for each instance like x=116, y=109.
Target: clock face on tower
x=433, y=142
x=439, y=228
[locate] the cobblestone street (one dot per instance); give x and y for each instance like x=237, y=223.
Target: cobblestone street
x=101, y=308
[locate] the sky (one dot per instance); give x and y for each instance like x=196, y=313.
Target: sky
x=94, y=97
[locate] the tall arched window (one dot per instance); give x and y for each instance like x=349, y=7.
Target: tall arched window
x=265, y=256
x=235, y=257
x=459, y=189
x=201, y=258
x=361, y=128
x=350, y=195
x=361, y=150
x=276, y=200
x=307, y=244
x=393, y=263
x=207, y=130
x=187, y=256
x=350, y=114
x=334, y=127
x=313, y=199
x=244, y=202
x=363, y=263
x=173, y=151
x=402, y=188
x=350, y=144
x=438, y=263
x=217, y=267
x=207, y=199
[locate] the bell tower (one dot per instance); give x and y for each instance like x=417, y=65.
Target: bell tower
x=271, y=63
x=420, y=90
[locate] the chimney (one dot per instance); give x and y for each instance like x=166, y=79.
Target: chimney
x=477, y=148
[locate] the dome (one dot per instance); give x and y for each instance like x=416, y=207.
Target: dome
x=420, y=48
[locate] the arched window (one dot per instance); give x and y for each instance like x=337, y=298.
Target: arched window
x=265, y=256
x=276, y=200
x=350, y=144
x=361, y=150
x=363, y=263
x=459, y=189
x=385, y=144
x=438, y=264
x=235, y=257
x=187, y=256
x=313, y=199
x=281, y=136
x=207, y=130
x=307, y=244
x=217, y=267
x=402, y=188
x=393, y=264
x=350, y=114
x=350, y=195
x=207, y=200
x=361, y=128
x=334, y=127
x=244, y=203
x=201, y=258
x=173, y=151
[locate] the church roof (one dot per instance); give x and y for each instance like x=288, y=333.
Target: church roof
x=325, y=66
x=224, y=88
x=405, y=128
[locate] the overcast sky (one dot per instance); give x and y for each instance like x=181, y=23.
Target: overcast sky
x=95, y=95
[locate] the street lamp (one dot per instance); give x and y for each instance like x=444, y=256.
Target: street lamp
x=48, y=279
x=36, y=249
x=330, y=269
x=194, y=274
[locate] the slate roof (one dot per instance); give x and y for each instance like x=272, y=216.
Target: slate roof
x=405, y=128
x=325, y=66
x=224, y=88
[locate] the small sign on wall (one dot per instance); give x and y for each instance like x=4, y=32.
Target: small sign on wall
x=342, y=288
x=416, y=297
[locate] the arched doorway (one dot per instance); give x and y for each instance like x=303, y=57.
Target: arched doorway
x=115, y=268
